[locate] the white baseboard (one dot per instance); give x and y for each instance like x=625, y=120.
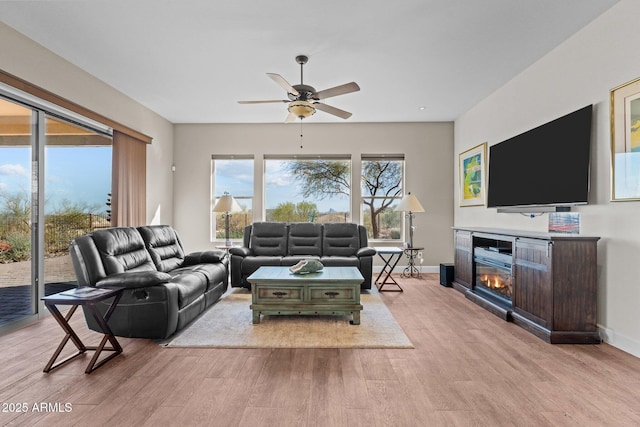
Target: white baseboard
x=622, y=342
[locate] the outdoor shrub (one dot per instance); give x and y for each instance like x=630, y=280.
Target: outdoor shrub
x=16, y=247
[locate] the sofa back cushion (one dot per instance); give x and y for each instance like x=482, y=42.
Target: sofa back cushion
x=340, y=239
x=86, y=261
x=305, y=238
x=268, y=239
x=164, y=246
x=122, y=249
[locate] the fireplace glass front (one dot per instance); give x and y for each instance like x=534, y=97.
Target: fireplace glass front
x=493, y=280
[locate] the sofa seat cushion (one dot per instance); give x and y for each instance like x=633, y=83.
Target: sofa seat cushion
x=288, y=261
x=340, y=261
x=191, y=285
x=252, y=263
x=212, y=272
x=269, y=239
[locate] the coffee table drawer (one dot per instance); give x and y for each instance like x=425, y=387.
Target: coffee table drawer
x=332, y=294
x=275, y=293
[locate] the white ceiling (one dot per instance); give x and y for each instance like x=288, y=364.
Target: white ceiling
x=192, y=60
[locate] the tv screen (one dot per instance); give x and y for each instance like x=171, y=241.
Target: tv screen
x=548, y=165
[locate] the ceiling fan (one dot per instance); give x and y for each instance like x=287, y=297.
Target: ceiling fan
x=304, y=100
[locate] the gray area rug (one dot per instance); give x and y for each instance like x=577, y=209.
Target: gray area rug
x=228, y=324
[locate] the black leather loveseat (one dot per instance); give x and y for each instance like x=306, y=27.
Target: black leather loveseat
x=165, y=288
x=281, y=244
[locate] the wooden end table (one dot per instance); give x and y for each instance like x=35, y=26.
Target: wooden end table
x=333, y=290
x=84, y=296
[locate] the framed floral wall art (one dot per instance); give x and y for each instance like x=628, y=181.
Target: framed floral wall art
x=472, y=179
x=625, y=141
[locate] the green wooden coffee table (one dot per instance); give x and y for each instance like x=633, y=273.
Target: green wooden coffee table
x=334, y=290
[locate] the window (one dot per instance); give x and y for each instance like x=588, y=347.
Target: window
x=308, y=189
x=382, y=189
x=233, y=175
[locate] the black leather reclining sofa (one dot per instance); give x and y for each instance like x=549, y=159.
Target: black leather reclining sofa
x=281, y=244
x=165, y=289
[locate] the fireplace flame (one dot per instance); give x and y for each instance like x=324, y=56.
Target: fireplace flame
x=496, y=282
x=492, y=282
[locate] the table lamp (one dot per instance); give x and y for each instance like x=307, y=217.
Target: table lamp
x=226, y=203
x=410, y=204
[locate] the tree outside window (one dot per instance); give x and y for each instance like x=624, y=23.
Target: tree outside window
x=233, y=175
x=308, y=190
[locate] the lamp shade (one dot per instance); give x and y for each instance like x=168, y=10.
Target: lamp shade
x=301, y=109
x=409, y=203
x=226, y=203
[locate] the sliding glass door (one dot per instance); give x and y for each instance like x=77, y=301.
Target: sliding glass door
x=55, y=181
x=77, y=183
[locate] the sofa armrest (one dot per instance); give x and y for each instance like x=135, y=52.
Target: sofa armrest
x=138, y=279
x=240, y=251
x=206, y=257
x=365, y=252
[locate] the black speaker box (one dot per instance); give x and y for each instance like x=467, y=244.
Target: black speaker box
x=446, y=274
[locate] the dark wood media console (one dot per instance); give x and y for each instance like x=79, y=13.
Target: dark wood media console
x=548, y=281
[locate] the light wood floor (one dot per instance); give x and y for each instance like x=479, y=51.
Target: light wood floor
x=468, y=368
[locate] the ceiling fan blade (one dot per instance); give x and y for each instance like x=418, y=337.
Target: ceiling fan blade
x=263, y=102
x=338, y=90
x=291, y=118
x=283, y=83
x=332, y=110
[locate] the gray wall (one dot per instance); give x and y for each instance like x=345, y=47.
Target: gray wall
x=581, y=71
x=427, y=147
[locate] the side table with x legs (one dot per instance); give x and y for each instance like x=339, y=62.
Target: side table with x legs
x=84, y=296
x=390, y=256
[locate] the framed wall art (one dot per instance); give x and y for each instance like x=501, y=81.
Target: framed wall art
x=625, y=141
x=472, y=179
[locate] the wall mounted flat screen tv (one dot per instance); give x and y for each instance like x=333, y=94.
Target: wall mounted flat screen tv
x=545, y=166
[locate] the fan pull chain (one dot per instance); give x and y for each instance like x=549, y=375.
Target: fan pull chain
x=301, y=133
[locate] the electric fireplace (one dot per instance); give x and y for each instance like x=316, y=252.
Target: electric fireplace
x=493, y=277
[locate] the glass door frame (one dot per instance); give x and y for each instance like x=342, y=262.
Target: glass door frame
x=37, y=209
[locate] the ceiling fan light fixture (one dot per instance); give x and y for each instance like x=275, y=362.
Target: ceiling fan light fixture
x=301, y=109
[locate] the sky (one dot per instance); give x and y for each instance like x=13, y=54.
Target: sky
x=77, y=174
